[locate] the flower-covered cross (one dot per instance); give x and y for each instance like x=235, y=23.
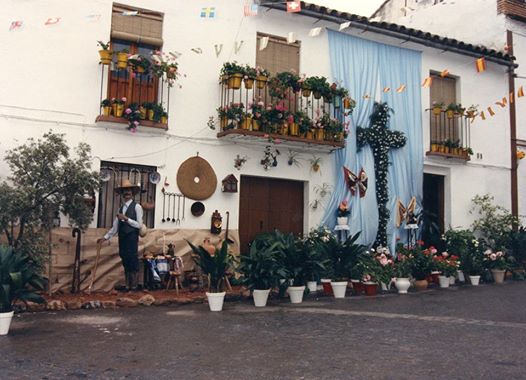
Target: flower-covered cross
x=381, y=140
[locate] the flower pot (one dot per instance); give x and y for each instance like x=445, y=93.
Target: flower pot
x=106, y=110
x=294, y=129
x=224, y=123
x=234, y=81
x=310, y=134
x=443, y=281
x=306, y=92
x=498, y=275
x=460, y=276
x=371, y=288
x=215, y=301
x=402, y=284
x=246, y=124
x=474, y=280
x=284, y=129
x=118, y=109
x=437, y=111
x=434, y=147
x=312, y=286
x=358, y=287
x=434, y=277
x=320, y=135
x=5, y=322
x=296, y=293
x=249, y=83
x=150, y=115
x=105, y=56
x=342, y=220
x=142, y=111
x=164, y=119
x=421, y=284
x=122, y=60
x=339, y=288
x=255, y=125
x=138, y=69
x=261, y=81
x=317, y=95
x=452, y=280
x=260, y=297
x=450, y=114
x=327, y=288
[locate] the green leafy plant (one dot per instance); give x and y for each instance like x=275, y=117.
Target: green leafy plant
x=133, y=115
x=158, y=111
x=343, y=256
x=18, y=279
x=105, y=103
x=215, y=266
x=139, y=61
x=279, y=84
x=230, y=68
x=261, y=268
x=250, y=72
x=303, y=120
x=104, y=46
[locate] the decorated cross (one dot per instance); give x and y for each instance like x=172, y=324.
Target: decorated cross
x=381, y=139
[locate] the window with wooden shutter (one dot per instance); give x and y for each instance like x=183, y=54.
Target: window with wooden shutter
x=443, y=90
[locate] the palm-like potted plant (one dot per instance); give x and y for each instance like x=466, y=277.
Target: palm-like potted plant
x=18, y=281
x=261, y=271
x=293, y=260
x=215, y=267
x=105, y=53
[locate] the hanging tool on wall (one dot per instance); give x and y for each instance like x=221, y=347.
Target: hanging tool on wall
x=75, y=283
x=178, y=221
x=169, y=197
x=184, y=203
x=164, y=198
x=178, y=204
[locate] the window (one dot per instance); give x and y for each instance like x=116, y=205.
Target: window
x=109, y=201
x=139, y=34
x=443, y=91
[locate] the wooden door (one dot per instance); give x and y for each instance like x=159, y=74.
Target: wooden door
x=266, y=204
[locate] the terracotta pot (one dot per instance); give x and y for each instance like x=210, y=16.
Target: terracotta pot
x=371, y=288
x=249, y=83
x=261, y=81
x=310, y=134
x=358, y=287
x=105, y=56
x=421, y=284
x=327, y=288
x=234, y=81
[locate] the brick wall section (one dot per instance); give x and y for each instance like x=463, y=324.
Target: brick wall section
x=512, y=8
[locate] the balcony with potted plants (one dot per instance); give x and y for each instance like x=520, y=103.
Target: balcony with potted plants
x=296, y=111
x=138, y=89
x=450, y=135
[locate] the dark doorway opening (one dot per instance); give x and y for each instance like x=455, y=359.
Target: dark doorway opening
x=433, y=213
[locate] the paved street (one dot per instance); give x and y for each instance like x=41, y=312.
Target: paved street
x=465, y=332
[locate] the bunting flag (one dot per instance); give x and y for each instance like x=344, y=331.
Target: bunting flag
x=366, y=96
x=291, y=38
x=491, y=112
x=502, y=103
x=263, y=42
x=250, y=10
x=314, y=32
x=293, y=6
x=480, y=65
x=16, y=25
x=401, y=89
x=444, y=73
x=427, y=82
x=344, y=25
x=130, y=13
x=387, y=89
x=511, y=97
x=209, y=12
x=520, y=93
x=482, y=116
x=52, y=20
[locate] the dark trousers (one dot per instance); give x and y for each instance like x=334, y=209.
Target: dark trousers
x=128, y=247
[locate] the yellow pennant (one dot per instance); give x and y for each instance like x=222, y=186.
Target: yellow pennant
x=480, y=64
x=427, y=82
x=482, y=116
x=490, y=111
x=502, y=104
x=444, y=73
x=511, y=97
x=366, y=96
x=520, y=93
x=401, y=89
x=387, y=89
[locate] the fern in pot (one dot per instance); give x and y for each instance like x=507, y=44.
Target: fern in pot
x=18, y=281
x=215, y=267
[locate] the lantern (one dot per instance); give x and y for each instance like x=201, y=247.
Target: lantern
x=229, y=184
x=217, y=222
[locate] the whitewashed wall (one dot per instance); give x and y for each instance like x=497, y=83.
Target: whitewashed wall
x=54, y=82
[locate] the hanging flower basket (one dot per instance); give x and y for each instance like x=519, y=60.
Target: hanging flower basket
x=234, y=81
x=105, y=56
x=122, y=60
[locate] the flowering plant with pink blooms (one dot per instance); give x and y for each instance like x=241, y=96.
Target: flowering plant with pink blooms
x=385, y=265
x=133, y=115
x=495, y=260
x=258, y=108
x=446, y=263
x=118, y=100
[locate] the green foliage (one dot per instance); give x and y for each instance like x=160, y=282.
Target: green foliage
x=138, y=60
x=18, y=279
x=44, y=179
x=261, y=268
x=517, y=247
x=420, y=261
x=104, y=46
x=343, y=257
x=402, y=266
x=303, y=120
x=230, y=68
x=318, y=84
x=279, y=85
x=495, y=223
x=215, y=265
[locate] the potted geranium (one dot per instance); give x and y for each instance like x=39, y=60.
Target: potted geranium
x=133, y=115
x=105, y=53
x=402, y=270
x=257, y=108
x=497, y=263
x=342, y=213
x=231, y=74
x=117, y=105
x=18, y=281
x=215, y=267
x=106, y=107
x=447, y=265
x=385, y=271
x=262, y=76
x=421, y=266
x=231, y=115
x=139, y=63
x=249, y=77
x=261, y=271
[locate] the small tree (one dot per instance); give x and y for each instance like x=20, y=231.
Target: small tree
x=44, y=179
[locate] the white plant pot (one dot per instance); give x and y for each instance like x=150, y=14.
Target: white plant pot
x=312, y=286
x=296, y=293
x=402, y=284
x=339, y=288
x=5, y=322
x=260, y=297
x=461, y=277
x=215, y=301
x=452, y=280
x=443, y=281
x=474, y=280
x=342, y=220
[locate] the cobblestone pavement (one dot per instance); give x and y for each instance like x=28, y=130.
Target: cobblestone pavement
x=464, y=332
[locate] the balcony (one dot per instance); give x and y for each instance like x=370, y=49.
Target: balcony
x=450, y=134
x=282, y=110
x=515, y=9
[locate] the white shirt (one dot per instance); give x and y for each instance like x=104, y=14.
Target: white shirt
x=134, y=223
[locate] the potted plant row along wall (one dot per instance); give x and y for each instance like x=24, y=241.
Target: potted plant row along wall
x=18, y=281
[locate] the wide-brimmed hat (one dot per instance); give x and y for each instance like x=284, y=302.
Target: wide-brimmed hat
x=126, y=184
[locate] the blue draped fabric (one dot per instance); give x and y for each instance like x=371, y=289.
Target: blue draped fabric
x=365, y=68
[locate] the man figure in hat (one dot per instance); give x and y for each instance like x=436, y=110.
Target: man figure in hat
x=127, y=224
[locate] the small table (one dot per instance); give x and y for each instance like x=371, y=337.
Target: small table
x=342, y=232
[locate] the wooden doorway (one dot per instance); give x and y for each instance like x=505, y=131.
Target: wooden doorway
x=266, y=204
x=433, y=208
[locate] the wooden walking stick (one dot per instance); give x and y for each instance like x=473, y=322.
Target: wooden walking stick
x=99, y=246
